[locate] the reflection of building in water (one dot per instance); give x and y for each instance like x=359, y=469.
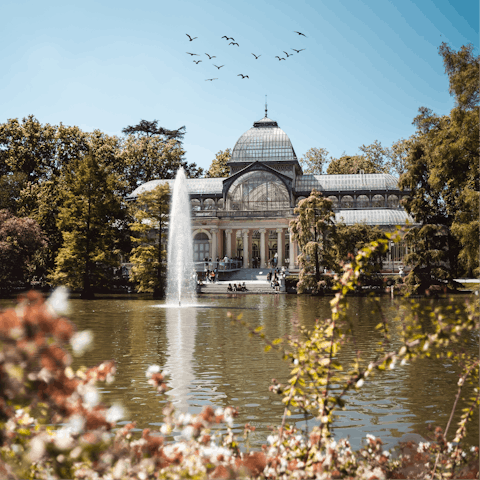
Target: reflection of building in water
x=181, y=330
x=247, y=214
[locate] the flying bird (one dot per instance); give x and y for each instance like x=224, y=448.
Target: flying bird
x=211, y=79
x=300, y=33
x=287, y=54
x=243, y=76
x=276, y=56
x=298, y=51
x=228, y=38
x=197, y=61
x=256, y=56
x=193, y=54
x=210, y=56
x=191, y=39
x=219, y=66
x=234, y=43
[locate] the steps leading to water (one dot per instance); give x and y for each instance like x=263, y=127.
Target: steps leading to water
x=221, y=288
x=245, y=274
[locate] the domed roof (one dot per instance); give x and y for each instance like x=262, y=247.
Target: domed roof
x=264, y=142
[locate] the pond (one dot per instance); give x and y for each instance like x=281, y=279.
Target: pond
x=214, y=362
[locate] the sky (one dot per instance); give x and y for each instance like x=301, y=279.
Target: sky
x=366, y=68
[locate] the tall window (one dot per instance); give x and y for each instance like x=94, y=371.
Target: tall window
x=258, y=191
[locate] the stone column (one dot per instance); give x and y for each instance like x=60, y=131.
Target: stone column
x=213, y=232
x=262, y=247
x=280, y=246
x=228, y=231
x=291, y=263
x=245, y=247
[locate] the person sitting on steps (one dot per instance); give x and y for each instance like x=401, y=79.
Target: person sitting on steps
x=229, y=288
x=244, y=287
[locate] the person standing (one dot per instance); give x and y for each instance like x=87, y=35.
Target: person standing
x=275, y=259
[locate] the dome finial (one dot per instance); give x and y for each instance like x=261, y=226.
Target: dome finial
x=265, y=106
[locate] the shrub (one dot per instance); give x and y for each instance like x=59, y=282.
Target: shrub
x=39, y=388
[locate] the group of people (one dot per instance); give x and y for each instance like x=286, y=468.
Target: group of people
x=274, y=278
x=237, y=288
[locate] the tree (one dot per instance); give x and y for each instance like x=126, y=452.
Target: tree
x=87, y=218
x=219, y=167
x=152, y=152
x=377, y=157
x=443, y=176
x=352, y=238
x=314, y=161
x=150, y=255
x=315, y=231
x=352, y=164
x=21, y=246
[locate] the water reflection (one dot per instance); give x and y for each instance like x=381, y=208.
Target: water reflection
x=181, y=327
x=214, y=362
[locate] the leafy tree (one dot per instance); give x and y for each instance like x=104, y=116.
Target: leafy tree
x=87, y=218
x=443, y=176
x=313, y=162
x=21, y=246
x=150, y=255
x=27, y=147
x=352, y=238
x=315, y=231
x=219, y=167
x=152, y=152
x=377, y=157
x=397, y=154
x=351, y=164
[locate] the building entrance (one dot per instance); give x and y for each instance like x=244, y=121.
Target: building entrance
x=201, y=247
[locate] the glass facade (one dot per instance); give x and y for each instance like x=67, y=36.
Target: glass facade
x=258, y=190
x=265, y=142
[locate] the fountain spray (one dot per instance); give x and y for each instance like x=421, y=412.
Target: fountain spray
x=181, y=287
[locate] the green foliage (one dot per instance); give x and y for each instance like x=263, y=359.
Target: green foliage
x=219, y=167
x=87, y=218
x=149, y=257
x=313, y=162
x=314, y=230
x=352, y=164
x=22, y=245
x=352, y=238
x=442, y=172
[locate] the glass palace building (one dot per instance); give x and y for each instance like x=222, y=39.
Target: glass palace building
x=247, y=214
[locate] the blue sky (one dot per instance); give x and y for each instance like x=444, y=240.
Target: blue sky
x=366, y=69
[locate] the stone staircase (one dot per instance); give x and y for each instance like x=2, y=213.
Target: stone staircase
x=244, y=275
x=220, y=288
x=255, y=280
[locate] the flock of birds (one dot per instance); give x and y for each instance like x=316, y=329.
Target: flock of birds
x=234, y=43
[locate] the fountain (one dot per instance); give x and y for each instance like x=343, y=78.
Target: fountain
x=181, y=279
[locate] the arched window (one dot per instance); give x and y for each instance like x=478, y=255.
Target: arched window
x=334, y=200
x=220, y=204
x=393, y=201
x=378, y=201
x=209, y=204
x=258, y=190
x=346, y=201
x=195, y=204
x=362, y=201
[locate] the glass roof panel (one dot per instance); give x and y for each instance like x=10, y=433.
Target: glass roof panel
x=367, y=181
x=265, y=141
x=380, y=216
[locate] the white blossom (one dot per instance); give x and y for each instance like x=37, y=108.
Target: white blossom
x=371, y=437
x=151, y=370
x=91, y=397
x=115, y=413
x=360, y=383
x=423, y=446
x=81, y=342
x=57, y=303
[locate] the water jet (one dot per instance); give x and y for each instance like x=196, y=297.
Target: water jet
x=181, y=284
